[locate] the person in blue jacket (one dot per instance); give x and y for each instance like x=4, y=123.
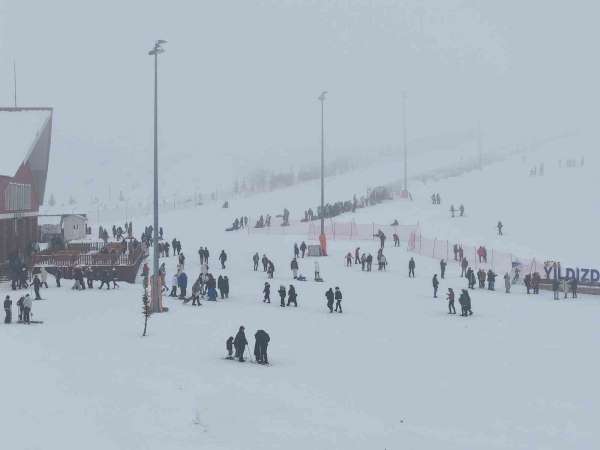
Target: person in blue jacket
x=182, y=282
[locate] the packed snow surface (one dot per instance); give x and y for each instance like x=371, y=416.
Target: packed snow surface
x=393, y=371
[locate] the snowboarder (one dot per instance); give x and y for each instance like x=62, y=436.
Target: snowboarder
x=239, y=343
x=262, y=339
x=450, y=297
x=282, y=293
x=7, y=309
x=411, y=268
x=435, y=284
x=338, y=299
x=292, y=296
x=329, y=295
x=255, y=260
x=267, y=293
x=443, y=265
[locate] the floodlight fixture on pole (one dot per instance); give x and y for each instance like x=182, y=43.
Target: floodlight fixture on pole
x=156, y=284
x=322, y=100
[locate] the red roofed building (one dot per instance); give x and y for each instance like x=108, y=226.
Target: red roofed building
x=25, y=137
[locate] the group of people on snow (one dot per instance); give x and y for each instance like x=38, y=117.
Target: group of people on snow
x=239, y=344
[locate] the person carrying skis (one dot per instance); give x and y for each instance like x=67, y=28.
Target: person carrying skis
x=223, y=258
x=7, y=309
x=435, y=283
x=411, y=268
x=267, y=293
x=282, y=293
x=443, y=265
x=329, y=295
x=292, y=296
x=239, y=343
x=450, y=297
x=338, y=299
x=262, y=340
x=255, y=260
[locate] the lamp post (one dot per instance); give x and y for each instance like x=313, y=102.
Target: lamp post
x=405, y=143
x=156, y=288
x=322, y=236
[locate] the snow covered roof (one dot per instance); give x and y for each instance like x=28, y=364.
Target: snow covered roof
x=19, y=131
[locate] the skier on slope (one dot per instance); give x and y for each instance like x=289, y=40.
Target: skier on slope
x=329, y=295
x=240, y=343
x=338, y=300
x=262, y=340
x=267, y=293
x=282, y=294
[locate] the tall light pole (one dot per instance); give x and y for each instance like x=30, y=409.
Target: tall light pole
x=322, y=99
x=156, y=288
x=405, y=143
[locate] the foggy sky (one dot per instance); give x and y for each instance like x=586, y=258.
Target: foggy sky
x=239, y=79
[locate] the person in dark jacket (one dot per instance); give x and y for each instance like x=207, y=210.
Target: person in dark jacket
x=229, y=347
x=292, y=296
x=450, y=297
x=369, y=262
x=463, y=265
x=36, y=287
x=527, y=281
x=465, y=303
x=105, y=280
x=443, y=265
x=220, y=286
x=89, y=273
x=411, y=268
x=239, y=343
x=435, y=283
x=267, y=293
x=535, y=282
x=226, y=286
x=296, y=250
x=7, y=309
x=574, y=284
x=223, y=258
x=282, y=294
x=303, y=248
x=182, y=282
x=255, y=260
x=57, y=276
x=329, y=295
x=338, y=300
x=470, y=276
x=262, y=339
x=555, y=288
x=491, y=277
x=294, y=267
x=265, y=262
